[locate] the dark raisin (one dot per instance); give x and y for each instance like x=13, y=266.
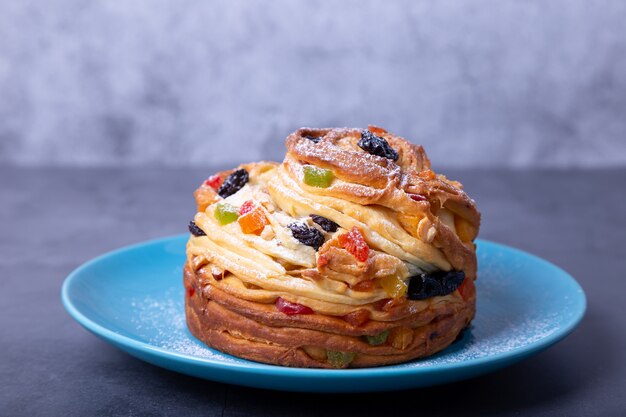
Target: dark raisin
x=306, y=235
x=436, y=283
x=233, y=183
x=313, y=139
x=424, y=287
x=326, y=224
x=195, y=230
x=376, y=145
x=452, y=280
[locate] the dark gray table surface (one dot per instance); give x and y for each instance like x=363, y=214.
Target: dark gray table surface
x=52, y=220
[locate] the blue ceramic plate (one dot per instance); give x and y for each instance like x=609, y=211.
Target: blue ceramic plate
x=133, y=298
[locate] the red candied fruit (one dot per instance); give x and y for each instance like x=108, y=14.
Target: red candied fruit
x=357, y=318
x=191, y=291
x=464, y=290
x=214, y=181
x=246, y=207
x=322, y=261
x=354, y=242
x=292, y=308
x=417, y=197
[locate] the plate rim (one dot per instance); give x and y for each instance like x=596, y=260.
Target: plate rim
x=267, y=369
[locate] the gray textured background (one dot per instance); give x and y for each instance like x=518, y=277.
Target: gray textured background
x=151, y=82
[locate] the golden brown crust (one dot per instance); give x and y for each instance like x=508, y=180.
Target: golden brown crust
x=260, y=332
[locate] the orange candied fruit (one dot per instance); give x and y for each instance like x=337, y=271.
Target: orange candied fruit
x=252, y=219
x=354, y=242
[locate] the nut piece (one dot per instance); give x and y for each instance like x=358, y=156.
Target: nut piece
x=426, y=230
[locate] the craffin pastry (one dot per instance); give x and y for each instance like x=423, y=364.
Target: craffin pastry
x=350, y=253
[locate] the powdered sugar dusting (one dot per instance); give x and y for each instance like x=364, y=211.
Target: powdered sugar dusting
x=482, y=341
x=498, y=328
x=161, y=321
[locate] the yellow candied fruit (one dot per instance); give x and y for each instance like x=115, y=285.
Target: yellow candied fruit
x=393, y=286
x=401, y=337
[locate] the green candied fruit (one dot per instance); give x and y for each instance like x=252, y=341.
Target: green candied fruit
x=225, y=213
x=379, y=339
x=339, y=359
x=318, y=177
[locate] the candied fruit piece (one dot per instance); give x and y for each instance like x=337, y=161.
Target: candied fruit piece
x=306, y=235
x=375, y=145
x=393, y=286
x=378, y=339
x=233, y=183
x=225, y=213
x=214, y=181
x=290, y=308
x=357, y=318
x=317, y=177
x=354, y=242
x=417, y=197
x=253, y=221
x=322, y=261
x=195, y=230
x=464, y=290
x=247, y=207
x=326, y=224
x=401, y=337
x=339, y=359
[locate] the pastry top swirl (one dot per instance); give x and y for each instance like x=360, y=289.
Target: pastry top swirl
x=412, y=220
